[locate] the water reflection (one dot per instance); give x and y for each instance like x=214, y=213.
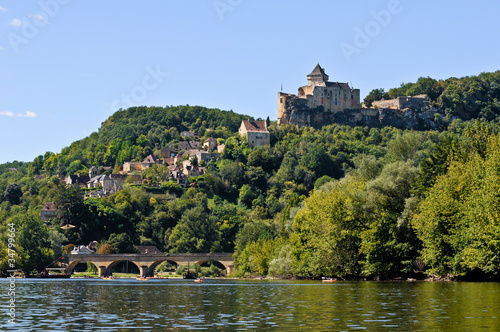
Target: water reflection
x=119, y=305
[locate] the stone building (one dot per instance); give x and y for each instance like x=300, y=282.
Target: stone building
x=399, y=103
x=210, y=144
x=49, y=211
x=77, y=180
x=109, y=184
x=255, y=132
x=319, y=94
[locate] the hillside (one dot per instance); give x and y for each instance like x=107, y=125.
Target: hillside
x=344, y=201
x=470, y=97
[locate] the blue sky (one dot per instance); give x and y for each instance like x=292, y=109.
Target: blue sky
x=67, y=65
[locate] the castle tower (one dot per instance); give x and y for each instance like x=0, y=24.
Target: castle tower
x=317, y=76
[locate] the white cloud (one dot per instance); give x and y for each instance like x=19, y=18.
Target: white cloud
x=28, y=114
x=16, y=22
x=3, y=9
x=6, y=113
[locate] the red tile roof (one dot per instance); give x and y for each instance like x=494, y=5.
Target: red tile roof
x=255, y=125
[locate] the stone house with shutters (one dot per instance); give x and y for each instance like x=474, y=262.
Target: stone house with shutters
x=210, y=144
x=255, y=132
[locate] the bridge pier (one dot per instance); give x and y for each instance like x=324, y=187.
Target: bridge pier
x=103, y=271
x=144, y=271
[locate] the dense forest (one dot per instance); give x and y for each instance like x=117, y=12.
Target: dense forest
x=471, y=97
x=340, y=201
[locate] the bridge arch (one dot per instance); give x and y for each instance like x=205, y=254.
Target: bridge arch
x=71, y=266
x=157, y=262
x=226, y=267
x=109, y=269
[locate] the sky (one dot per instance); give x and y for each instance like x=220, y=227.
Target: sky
x=67, y=65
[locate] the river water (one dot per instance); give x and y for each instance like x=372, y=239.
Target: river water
x=230, y=305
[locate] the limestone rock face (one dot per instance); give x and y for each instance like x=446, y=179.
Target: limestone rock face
x=297, y=113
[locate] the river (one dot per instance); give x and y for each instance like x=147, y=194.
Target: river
x=228, y=305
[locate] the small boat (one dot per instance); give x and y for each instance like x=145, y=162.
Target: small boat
x=329, y=280
x=45, y=274
x=108, y=278
x=198, y=280
x=142, y=278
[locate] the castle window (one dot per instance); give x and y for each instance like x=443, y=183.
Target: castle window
x=281, y=100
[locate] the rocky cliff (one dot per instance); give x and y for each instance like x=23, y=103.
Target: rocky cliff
x=421, y=118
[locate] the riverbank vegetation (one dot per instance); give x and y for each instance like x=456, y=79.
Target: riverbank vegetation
x=340, y=201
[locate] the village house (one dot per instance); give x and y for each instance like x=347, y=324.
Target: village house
x=77, y=180
x=188, y=133
x=175, y=174
x=48, y=212
x=81, y=250
x=190, y=170
x=200, y=155
x=188, y=145
x=168, y=152
x=150, y=161
x=109, y=184
x=149, y=250
x=210, y=144
x=255, y=132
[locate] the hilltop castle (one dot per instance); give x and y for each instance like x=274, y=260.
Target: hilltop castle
x=318, y=94
x=321, y=102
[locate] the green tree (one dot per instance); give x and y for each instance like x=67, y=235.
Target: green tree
x=195, y=232
x=33, y=245
x=105, y=249
x=122, y=243
x=13, y=193
x=328, y=230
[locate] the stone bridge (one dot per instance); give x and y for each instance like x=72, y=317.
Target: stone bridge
x=146, y=262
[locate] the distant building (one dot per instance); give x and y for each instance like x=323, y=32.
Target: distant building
x=416, y=102
x=149, y=250
x=200, y=155
x=220, y=148
x=168, y=152
x=77, y=180
x=150, y=161
x=49, y=211
x=109, y=184
x=187, y=133
x=255, y=132
x=81, y=250
x=210, y=144
x=319, y=95
x=190, y=170
x=188, y=145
